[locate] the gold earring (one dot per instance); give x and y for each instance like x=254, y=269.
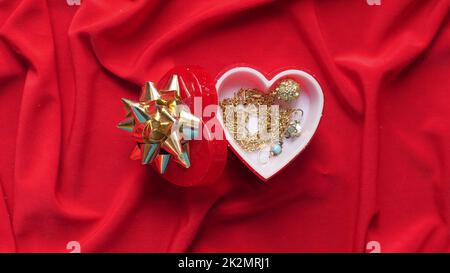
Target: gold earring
x=287, y=90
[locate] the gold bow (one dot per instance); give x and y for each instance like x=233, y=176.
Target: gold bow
x=159, y=126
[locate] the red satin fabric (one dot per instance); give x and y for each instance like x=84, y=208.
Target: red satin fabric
x=376, y=170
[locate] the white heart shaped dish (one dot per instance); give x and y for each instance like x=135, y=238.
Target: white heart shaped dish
x=310, y=101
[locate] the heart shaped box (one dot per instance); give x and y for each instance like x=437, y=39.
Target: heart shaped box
x=310, y=101
x=208, y=155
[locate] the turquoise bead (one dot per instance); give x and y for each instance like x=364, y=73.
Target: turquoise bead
x=276, y=149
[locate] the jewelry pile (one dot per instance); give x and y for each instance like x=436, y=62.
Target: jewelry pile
x=274, y=118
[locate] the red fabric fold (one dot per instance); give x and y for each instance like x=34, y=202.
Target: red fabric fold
x=376, y=171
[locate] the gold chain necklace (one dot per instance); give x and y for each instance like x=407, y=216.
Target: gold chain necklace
x=245, y=99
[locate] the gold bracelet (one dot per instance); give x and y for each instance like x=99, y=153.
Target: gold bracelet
x=286, y=90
